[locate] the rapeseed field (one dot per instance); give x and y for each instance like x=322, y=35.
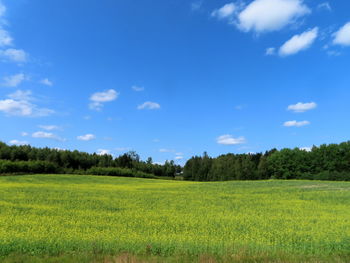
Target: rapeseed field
x=52, y=215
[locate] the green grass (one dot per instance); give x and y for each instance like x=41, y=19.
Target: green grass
x=61, y=217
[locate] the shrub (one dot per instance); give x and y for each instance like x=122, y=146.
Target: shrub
x=116, y=171
x=7, y=167
x=332, y=176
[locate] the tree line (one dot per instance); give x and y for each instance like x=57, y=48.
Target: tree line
x=28, y=159
x=326, y=162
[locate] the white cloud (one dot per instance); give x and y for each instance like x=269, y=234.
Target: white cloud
x=86, y=137
x=47, y=135
x=225, y=12
x=5, y=38
x=16, y=108
x=22, y=108
x=229, y=140
x=302, y=107
x=179, y=157
x=103, y=152
x=299, y=42
x=148, y=105
x=14, y=80
x=271, y=15
x=49, y=127
x=270, y=51
x=325, y=6
x=17, y=142
x=342, y=36
x=137, y=88
x=14, y=55
x=296, y=123
x=307, y=149
x=99, y=98
x=60, y=149
x=24, y=134
x=19, y=105
x=25, y=95
x=105, y=96
x=46, y=82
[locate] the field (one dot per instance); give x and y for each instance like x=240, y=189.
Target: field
x=63, y=218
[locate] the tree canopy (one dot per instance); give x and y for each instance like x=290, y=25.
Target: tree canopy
x=327, y=162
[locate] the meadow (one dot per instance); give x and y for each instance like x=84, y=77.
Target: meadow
x=73, y=218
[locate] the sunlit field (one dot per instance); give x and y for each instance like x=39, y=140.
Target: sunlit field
x=53, y=216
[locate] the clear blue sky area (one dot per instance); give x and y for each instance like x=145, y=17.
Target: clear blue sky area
x=171, y=79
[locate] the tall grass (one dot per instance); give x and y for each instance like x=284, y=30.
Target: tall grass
x=50, y=215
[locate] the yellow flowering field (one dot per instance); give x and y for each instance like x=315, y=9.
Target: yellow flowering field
x=50, y=215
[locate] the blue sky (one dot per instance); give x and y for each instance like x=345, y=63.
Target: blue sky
x=171, y=79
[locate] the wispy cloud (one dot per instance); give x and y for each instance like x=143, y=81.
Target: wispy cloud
x=296, y=123
x=18, y=143
x=14, y=55
x=163, y=150
x=196, y=5
x=2, y=9
x=25, y=95
x=5, y=38
x=239, y=107
x=49, y=127
x=86, y=137
x=14, y=80
x=325, y=6
x=137, y=88
x=46, y=82
x=10, y=54
x=47, y=135
x=270, y=51
x=149, y=105
x=225, y=12
x=123, y=149
x=230, y=140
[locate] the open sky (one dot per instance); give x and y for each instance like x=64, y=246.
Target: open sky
x=173, y=78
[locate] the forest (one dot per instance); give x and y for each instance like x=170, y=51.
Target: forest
x=326, y=162
x=27, y=159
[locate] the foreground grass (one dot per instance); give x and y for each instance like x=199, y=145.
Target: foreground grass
x=62, y=218
x=129, y=258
